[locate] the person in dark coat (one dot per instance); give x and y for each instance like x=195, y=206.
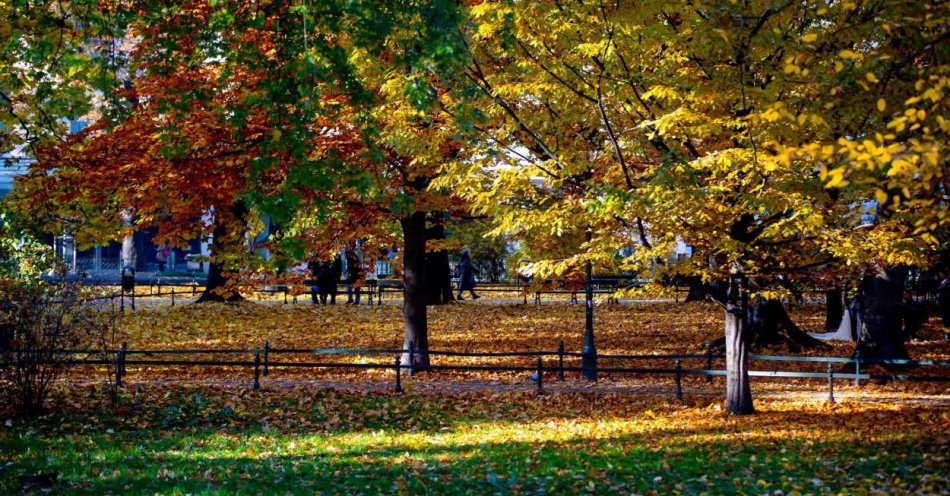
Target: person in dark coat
x=354, y=272
x=466, y=274
x=914, y=314
x=328, y=275
x=314, y=269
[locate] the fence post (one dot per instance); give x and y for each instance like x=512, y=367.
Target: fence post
x=121, y=300
x=173, y=296
x=159, y=288
x=412, y=357
x=266, y=358
x=257, y=370
x=537, y=297
x=399, y=373
x=709, y=378
x=679, y=381
x=831, y=383
x=379, y=296
x=540, y=378
x=285, y=295
x=857, y=367
x=120, y=365
x=560, y=360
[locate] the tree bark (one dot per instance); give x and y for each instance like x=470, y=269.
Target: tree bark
x=834, y=308
x=880, y=335
x=738, y=390
x=223, y=236
x=438, y=275
x=696, y=291
x=414, y=293
x=128, y=243
x=769, y=323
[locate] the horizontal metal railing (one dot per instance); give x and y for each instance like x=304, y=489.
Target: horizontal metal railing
x=373, y=289
x=262, y=360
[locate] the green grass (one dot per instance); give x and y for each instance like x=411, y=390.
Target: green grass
x=329, y=442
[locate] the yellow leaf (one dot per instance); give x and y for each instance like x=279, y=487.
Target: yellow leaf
x=810, y=37
x=850, y=54
x=880, y=196
x=871, y=77
x=881, y=104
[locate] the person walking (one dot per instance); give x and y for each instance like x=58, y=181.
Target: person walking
x=336, y=273
x=466, y=274
x=327, y=275
x=314, y=268
x=161, y=256
x=354, y=273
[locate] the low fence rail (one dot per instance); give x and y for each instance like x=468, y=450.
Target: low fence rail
x=263, y=360
x=374, y=291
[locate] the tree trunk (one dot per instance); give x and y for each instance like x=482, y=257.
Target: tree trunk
x=438, y=279
x=738, y=390
x=128, y=243
x=224, y=235
x=834, y=308
x=495, y=275
x=217, y=278
x=880, y=335
x=696, y=291
x=414, y=292
x=438, y=275
x=769, y=323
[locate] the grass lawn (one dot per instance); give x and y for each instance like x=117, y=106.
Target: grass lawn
x=220, y=441
x=200, y=431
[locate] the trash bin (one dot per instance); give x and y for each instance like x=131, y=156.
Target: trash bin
x=128, y=280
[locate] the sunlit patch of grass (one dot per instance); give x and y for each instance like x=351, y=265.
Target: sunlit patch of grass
x=203, y=441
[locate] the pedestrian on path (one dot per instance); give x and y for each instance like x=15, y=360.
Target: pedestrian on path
x=466, y=275
x=354, y=276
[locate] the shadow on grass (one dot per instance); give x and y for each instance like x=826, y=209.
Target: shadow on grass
x=424, y=445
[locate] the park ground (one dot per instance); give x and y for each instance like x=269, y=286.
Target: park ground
x=180, y=430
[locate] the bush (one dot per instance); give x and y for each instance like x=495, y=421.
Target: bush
x=41, y=326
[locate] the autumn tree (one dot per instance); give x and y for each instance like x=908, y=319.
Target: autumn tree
x=381, y=188
x=759, y=133
x=232, y=110
x=411, y=144
x=331, y=118
x=184, y=172
x=49, y=70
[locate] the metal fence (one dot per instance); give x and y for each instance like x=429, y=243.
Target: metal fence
x=373, y=290
x=262, y=361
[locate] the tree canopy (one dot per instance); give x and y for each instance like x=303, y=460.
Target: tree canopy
x=774, y=138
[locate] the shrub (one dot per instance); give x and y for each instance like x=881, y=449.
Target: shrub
x=41, y=328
